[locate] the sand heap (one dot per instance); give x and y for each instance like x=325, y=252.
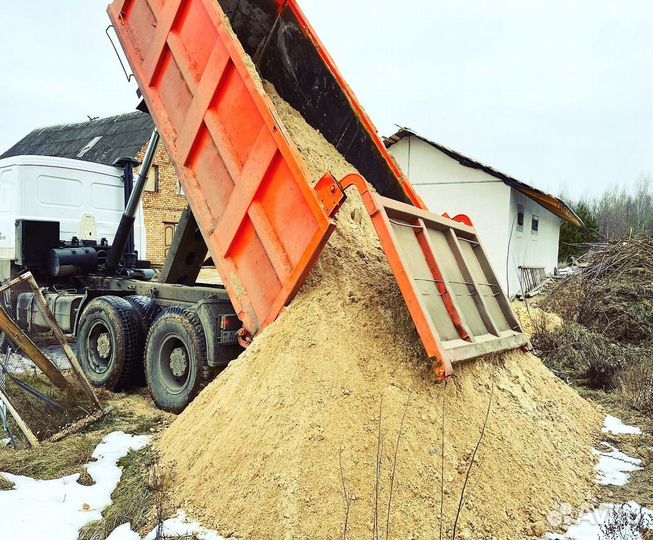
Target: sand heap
x=265, y=450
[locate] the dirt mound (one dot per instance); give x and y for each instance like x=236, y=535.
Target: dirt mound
x=533, y=319
x=269, y=448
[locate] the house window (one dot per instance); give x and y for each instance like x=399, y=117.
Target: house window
x=520, y=218
x=535, y=224
x=168, y=235
x=152, y=183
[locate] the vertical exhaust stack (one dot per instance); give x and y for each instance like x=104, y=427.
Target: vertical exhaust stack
x=126, y=226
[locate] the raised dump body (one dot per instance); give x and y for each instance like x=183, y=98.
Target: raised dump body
x=250, y=192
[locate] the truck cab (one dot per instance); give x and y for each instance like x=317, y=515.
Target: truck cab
x=86, y=200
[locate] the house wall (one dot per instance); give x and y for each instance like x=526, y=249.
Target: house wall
x=448, y=187
x=162, y=205
x=528, y=248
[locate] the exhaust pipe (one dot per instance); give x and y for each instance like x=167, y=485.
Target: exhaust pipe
x=126, y=225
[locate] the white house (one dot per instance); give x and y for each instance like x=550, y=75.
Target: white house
x=518, y=224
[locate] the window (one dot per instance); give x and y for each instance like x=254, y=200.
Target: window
x=152, y=183
x=535, y=224
x=168, y=234
x=180, y=189
x=520, y=218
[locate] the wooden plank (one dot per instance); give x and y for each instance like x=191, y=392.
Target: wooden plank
x=31, y=438
x=79, y=425
x=58, y=333
x=32, y=351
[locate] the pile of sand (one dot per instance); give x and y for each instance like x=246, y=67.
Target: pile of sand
x=534, y=319
x=265, y=450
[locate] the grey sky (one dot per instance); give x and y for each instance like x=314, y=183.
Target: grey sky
x=556, y=93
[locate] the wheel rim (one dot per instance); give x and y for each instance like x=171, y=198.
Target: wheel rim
x=174, y=364
x=99, y=347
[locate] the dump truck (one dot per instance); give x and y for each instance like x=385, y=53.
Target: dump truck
x=252, y=207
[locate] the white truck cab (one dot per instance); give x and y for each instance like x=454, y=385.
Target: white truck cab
x=87, y=199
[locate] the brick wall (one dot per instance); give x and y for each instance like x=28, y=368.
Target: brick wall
x=162, y=205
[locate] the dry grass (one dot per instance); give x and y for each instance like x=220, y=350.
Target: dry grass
x=578, y=355
x=612, y=295
x=136, y=498
x=625, y=522
x=44, y=419
x=607, y=340
x=51, y=461
x=636, y=383
x=141, y=496
x=68, y=456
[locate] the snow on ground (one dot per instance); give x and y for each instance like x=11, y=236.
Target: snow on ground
x=175, y=527
x=19, y=364
x=617, y=427
x=58, y=509
x=614, y=467
x=623, y=522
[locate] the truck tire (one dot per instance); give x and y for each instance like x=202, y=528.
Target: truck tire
x=110, y=342
x=147, y=310
x=176, y=366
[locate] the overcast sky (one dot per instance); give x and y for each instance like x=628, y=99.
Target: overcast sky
x=558, y=93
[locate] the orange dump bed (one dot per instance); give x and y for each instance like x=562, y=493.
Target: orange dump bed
x=247, y=185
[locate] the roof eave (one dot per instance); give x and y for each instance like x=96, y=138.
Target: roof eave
x=553, y=204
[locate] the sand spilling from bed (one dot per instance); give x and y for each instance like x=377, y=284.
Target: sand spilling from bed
x=269, y=448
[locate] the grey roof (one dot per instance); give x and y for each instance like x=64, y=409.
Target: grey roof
x=553, y=204
x=100, y=141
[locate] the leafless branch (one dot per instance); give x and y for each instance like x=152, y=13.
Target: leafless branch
x=394, y=469
x=471, y=463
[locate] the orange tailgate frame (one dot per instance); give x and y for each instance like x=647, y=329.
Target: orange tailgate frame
x=448, y=284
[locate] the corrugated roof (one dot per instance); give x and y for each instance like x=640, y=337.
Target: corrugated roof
x=100, y=141
x=552, y=204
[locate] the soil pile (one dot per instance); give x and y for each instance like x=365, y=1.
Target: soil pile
x=284, y=444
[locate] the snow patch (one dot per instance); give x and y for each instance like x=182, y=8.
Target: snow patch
x=625, y=521
x=614, y=467
x=175, y=527
x=617, y=427
x=58, y=509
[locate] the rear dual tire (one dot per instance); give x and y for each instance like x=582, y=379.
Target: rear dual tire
x=110, y=342
x=116, y=354
x=176, y=364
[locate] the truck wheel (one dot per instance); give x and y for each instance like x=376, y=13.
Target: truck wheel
x=176, y=365
x=110, y=342
x=147, y=310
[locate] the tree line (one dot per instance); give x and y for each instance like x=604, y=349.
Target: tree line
x=623, y=210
